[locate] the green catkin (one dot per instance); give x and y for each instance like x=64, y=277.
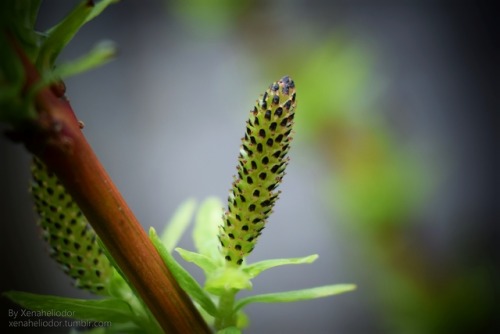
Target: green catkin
x=261, y=167
x=73, y=242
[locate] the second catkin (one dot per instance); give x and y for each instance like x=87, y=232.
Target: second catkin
x=73, y=242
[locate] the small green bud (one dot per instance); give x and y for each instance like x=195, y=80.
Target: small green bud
x=73, y=242
x=261, y=167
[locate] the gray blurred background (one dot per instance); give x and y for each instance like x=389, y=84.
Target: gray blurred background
x=391, y=181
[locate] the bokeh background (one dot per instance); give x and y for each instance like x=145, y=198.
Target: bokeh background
x=392, y=179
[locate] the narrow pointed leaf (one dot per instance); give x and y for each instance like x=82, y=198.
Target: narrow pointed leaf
x=185, y=280
x=206, y=228
x=102, y=53
x=258, y=267
x=99, y=8
x=61, y=34
x=178, y=224
x=202, y=261
x=114, y=310
x=296, y=295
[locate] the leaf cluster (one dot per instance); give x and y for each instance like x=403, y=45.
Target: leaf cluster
x=18, y=36
x=224, y=281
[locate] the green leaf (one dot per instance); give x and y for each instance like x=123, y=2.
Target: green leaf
x=256, y=268
x=202, y=261
x=296, y=295
x=119, y=287
x=206, y=228
x=114, y=310
x=242, y=320
x=61, y=34
x=102, y=53
x=227, y=279
x=209, y=319
x=178, y=224
x=185, y=280
x=99, y=8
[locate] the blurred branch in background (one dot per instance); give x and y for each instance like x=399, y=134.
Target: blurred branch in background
x=377, y=184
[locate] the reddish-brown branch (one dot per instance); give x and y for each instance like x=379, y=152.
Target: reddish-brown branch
x=55, y=136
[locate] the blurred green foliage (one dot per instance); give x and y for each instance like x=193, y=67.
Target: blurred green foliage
x=210, y=18
x=375, y=182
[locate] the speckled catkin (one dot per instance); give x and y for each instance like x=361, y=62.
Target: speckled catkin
x=73, y=242
x=261, y=167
